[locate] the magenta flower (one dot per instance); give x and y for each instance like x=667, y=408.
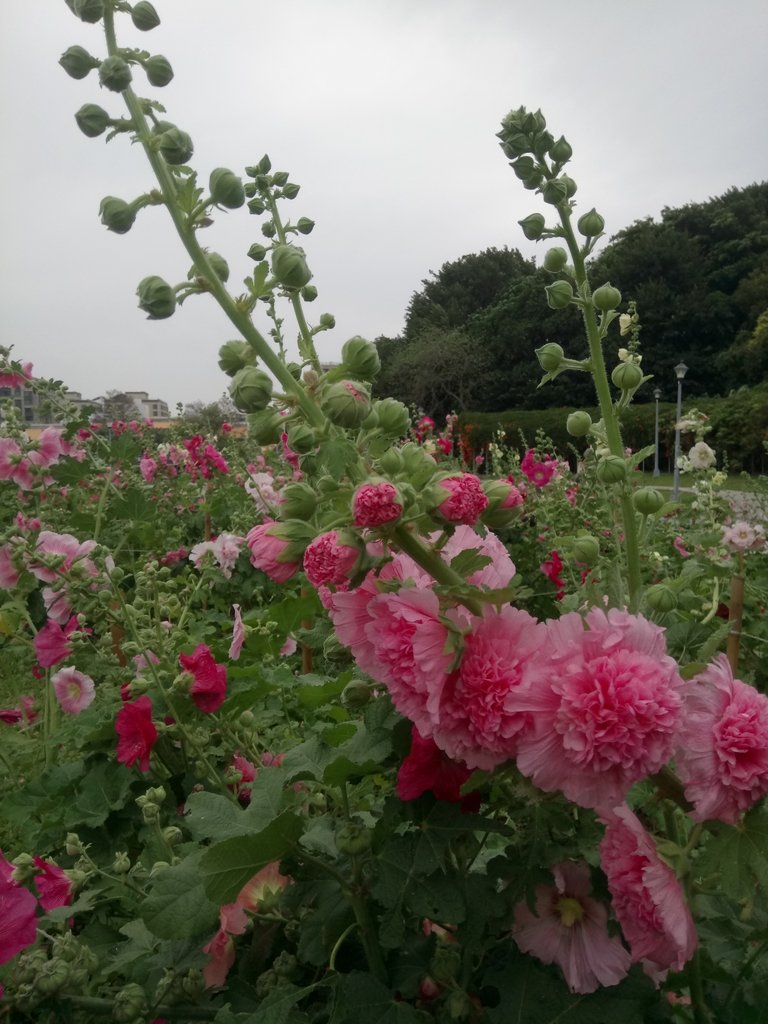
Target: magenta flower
x=18, y=918
x=605, y=709
x=464, y=501
x=210, y=686
x=136, y=733
x=53, y=884
x=238, y=635
x=647, y=898
x=52, y=643
x=271, y=552
x=722, y=746
x=539, y=473
x=376, y=504
x=74, y=690
x=328, y=560
x=570, y=929
x=10, y=378
x=427, y=768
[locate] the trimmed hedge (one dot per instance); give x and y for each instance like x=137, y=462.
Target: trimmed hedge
x=739, y=428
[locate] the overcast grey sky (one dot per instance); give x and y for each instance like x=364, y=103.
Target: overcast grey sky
x=385, y=112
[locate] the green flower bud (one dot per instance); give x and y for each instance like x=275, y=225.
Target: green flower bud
x=115, y=74
x=361, y=358
x=661, y=598
x=301, y=438
x=524, y=167
x=156, y=298
x=327, y=321
x=265, y=427
x=256, y=205
x=257, y=252
x=280, y=178
x=606, y=297
x=192, y=985
x=555, y=260
x=251, y=389
x=356, y=694
x=144, y=16
x=121, y=865
x=290, y=191
x=158, y=70
x=53, y=976
x=304, y=225
x=347, y=403
x=559, y=294
x=533, y=226
x=226, y=188
x=391, y=462
x=218, y=264
x=591, y=224
x=89, y=10
x=550, y=356
x=268, y=228
x=561, y=152
x=611, y=470
x=130, y=1004
x=444, y=965
x=289, y=266
x=579, y=423
x=309, y=293
x=555, y=191
x=175, y=146
x=234, y=356
x=394, y=417
x=73, y=845
x=371, y=421
x=116, y=215
x=647, y=500
x=92, y=120
x=627, y=376
x=354, y=837
x=585, y=549
x=172, y=835
x=299, y=501
x=570, y=185
x=77, y=62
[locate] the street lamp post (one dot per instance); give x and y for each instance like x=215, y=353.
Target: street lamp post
x=656, y=470
x=680, y=371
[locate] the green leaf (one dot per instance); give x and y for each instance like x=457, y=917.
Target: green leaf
x=132, y=505
x=315, y=691
x=738, y=855
x=337, y=456
x=227, y=866
x=470, y=561
x=105, y=787
x=277, y=1008
x=363, y=999
x=211, y=816
x=178, y=907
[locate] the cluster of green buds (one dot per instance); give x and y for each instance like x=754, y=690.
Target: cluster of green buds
x=150, y=803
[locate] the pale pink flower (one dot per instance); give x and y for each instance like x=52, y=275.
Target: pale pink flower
x=289, y=647
x=605, y=710
x=271, y=552
x=261, y=487
x=741, y=536
x=476, y=719
x=74, y=690
x=349, y=615
x=147, y=468
x=328, y=560
x=50, y=448
x=499, y=571
x=647, y=898
x=570, y=929
x=226, y=550
x=69, y=554
x=238, y=635
x=9, y=575
x=376, y=504
x=57, y=605
x=464, y=501
x=722, y=746
x=10, y=456
x=680, y=547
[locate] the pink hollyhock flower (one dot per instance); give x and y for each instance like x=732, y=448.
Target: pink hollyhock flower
x=53, y=884
x=10, y=457
x=647, y=898
x=52, y=643
x=18, y=918
x=75, y=691
x=328, y=560
x=376, y=504
x=271, y=552
x=16, y=378
x=741, y=536
x=289, y=454
x=210, y=686
x=248, y=772
x=69, y=552
x=570, y=929
x=605, y=708
x=50, y=448
x=680, y=547
x=147, y=468
x=552, y=567
x=225, y=550
x=9, y=575
x=137, y=733
x=238, y=635
x=427, y=768
x=539, y=473
x=500, y=570
x=477, y=721
x=57, y=605
x=289, y=647
x=722, y=745
x=464, y=501
x=349, y=615
x=445, y=444
x=261, y=487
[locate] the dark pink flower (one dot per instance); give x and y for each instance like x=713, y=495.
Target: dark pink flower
x=464, y=501
x=328, y=560
x=210, y=686
x=12, y=378
x=52, y=643
x=427, y=768
x=272, y=552
x=53, y=885
x=539, y=473
x=722, y=746
x=137, y=733
x=18, y=918
x=570, y=929
x=376, y=504
x=647, y=898
x=552, y=567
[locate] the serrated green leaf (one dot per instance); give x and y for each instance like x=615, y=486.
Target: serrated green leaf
x=738, y=855
x=363, y=999
x=469, y=561
x=178, y=906
x=211, y=816
x=104, y=788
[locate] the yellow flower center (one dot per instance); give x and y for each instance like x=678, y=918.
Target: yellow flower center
x=570, y=911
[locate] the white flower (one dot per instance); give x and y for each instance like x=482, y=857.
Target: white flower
x=625, y=323
x=701, y=456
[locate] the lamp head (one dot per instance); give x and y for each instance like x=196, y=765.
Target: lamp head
x=657, y=393
x=680, y=370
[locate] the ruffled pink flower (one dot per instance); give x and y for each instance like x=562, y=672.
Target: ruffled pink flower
x=53, y=884
x=605, y=709
x=499, y=571
x=741, y=536
x=261, y=487
x=147, y=468
x=680, y=547
x=647, y=898
x=328, y=560
x=465, y=499
x=539, y=473
x=722, y=746
x=18, y=918
x=349, y=614
x=210, y=686
x=71, y=554
x=477, y=720
x=75, y=691
x=570, y=929
x=52, y=642
x=428, y=769
x=136, y=733
x=238, y=635
x=225, y=550
x=57, y=605
x=271, y=552
x=9, y=575
x=376, y=504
